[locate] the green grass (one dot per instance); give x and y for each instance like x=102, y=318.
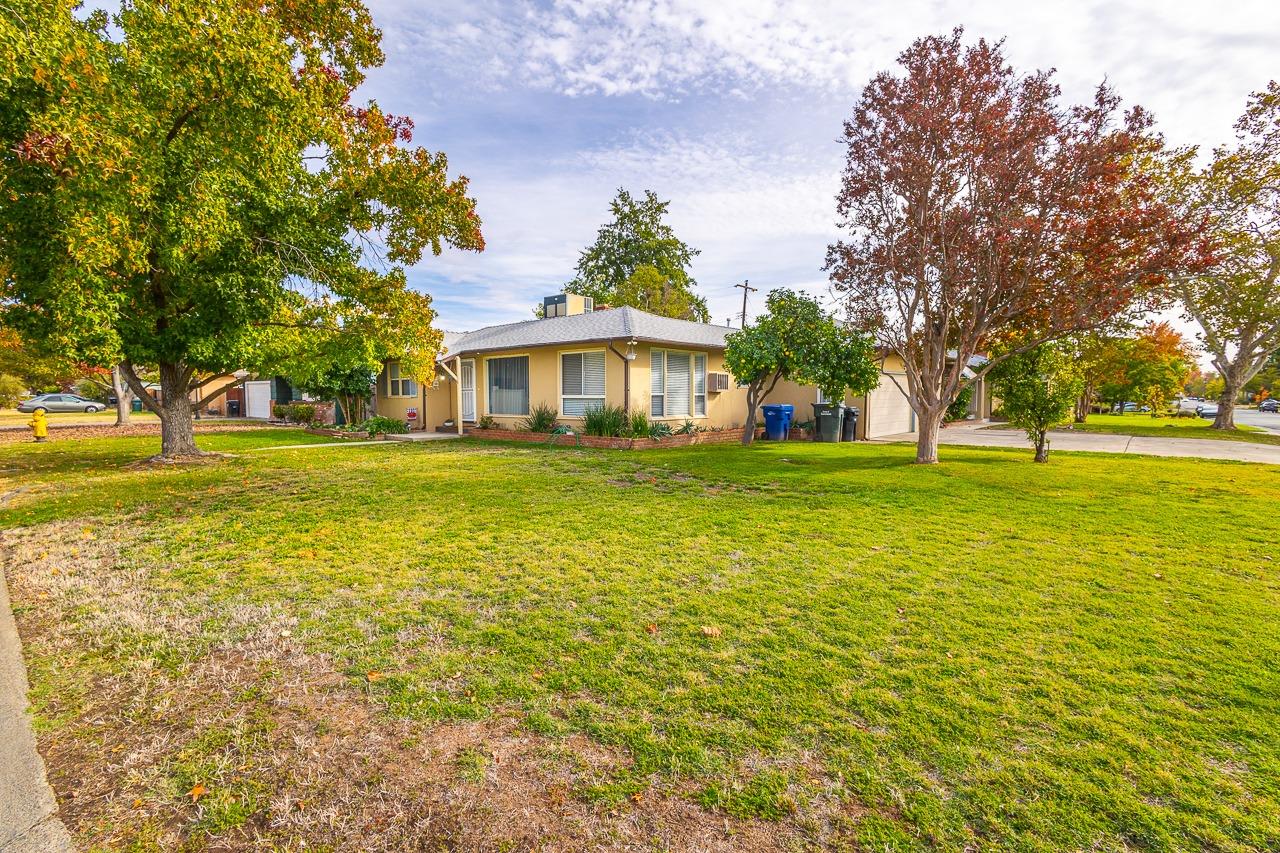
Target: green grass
x=1162, y=427
x=988, y=652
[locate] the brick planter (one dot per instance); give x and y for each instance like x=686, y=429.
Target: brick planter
x=728, y=436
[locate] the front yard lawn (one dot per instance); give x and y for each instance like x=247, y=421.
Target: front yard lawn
x=471, y=646
x=1162, y=427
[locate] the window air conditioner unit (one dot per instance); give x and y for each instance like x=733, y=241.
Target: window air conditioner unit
x=717, y=382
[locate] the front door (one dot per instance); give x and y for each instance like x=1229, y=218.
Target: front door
x=468, y=390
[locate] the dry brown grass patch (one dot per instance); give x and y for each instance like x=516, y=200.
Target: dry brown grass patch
x=289, y=752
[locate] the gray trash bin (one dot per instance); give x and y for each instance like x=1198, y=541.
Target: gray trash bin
x=828, y=420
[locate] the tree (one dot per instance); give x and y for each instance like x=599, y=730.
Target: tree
x=796, y=339
x=1161, y=361
x=187, y=184
x=12, y=391
x=650, y=290
x=1037, y=390
x=979, y=210
x=1149, y=367
x=1236, y=300
x=638, y=238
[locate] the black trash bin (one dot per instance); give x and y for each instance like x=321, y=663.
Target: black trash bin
x=233, y=408
x=849, y=432
x=827, y=421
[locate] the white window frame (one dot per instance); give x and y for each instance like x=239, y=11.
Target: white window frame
x=694, y=355
x=602, y=399
x=488, y=404
x=397, y=384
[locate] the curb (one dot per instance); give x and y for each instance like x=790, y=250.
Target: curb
x=29, y=819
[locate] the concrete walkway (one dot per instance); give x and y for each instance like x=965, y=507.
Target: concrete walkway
x=974, y=435
x=28, y=811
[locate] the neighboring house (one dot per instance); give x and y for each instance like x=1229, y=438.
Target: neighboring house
x=576, y=357
x=232, y=399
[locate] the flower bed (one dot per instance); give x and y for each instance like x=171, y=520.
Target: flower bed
x=728, y=436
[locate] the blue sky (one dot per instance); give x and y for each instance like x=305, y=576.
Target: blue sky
x=732, y=111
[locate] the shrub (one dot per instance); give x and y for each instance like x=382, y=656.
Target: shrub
x=294, y=413
x=959, y=408
x=486, y=422
x=12, y=391
x=605, y=421
x=639, y=424
x=687, y=428
x=659, y=430
x=384, y=425
x=542, y=418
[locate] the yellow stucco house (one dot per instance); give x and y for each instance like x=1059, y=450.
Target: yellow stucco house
x=576, y=357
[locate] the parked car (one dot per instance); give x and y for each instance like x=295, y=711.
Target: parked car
x=1207, y=410
x=60, y=403
x=1130, y=407
x=1271, y=405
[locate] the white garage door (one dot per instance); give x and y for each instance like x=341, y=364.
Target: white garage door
x=889, y=412
x=258, y=399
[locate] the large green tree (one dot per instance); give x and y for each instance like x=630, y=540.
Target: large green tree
x=1236, y=300
x=637, y=260
x=186, y=185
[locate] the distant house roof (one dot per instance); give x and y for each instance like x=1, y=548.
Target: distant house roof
x=617, y=324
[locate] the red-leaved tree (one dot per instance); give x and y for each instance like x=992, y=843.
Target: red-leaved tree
x=979, y=210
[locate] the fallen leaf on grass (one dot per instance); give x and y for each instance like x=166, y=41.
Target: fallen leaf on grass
x=197, y=792
x=651, y=628
x=374, y=675
x=711, y=631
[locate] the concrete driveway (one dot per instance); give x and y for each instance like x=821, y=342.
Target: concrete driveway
x=974, y=435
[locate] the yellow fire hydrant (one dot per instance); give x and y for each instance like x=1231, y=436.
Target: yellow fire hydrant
x=39, y=425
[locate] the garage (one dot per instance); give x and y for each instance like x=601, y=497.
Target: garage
x=888, y=412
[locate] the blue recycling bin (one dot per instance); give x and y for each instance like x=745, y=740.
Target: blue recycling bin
x=777, y=421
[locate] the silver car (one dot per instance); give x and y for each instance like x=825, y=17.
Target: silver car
x=60, y=403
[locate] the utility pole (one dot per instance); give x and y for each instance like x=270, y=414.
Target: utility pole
x=746, y=288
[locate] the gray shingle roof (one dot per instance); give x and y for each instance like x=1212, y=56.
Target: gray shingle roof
x=618, y=324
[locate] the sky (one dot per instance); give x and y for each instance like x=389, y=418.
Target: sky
x=732, y=111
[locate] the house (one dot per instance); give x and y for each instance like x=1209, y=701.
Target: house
x=576, y=357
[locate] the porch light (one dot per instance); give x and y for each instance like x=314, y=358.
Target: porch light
x=631, y=350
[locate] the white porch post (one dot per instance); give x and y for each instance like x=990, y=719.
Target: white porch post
x=457, y=385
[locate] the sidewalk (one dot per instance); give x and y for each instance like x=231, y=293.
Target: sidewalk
x=28, y=811
x=975, y=435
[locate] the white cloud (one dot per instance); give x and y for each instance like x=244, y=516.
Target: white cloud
x=732, y=110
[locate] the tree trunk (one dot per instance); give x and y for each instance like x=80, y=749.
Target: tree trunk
x=1226, y=418
x=177, y=429
x=930, y=420
x=1042, y=446
x=749, y=425
x=124, y=397
x=1083, y=404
